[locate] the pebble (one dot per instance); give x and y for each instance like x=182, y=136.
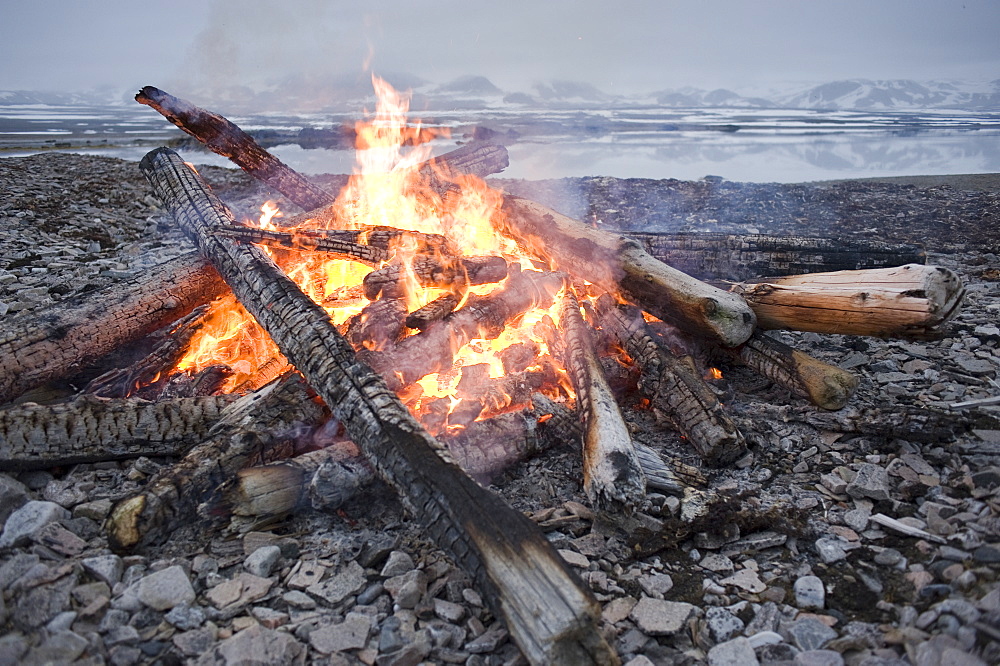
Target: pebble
x=351, y=634
x=810, y=594
x=810, y=634
x=722, y=624
x=819, y=658
x=656, y=585
x=25, y=521
x=747, y=580
x=165, y=589
x=656, y=617
x=871, y=481
x=399, y=563
x=108, y=568
x=342, y=584
x=262, y=561
x=737, y=652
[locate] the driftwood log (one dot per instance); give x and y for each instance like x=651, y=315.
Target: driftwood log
x=62, y=340
x=906, y=301
x=620, y=265
x=548, y=612
x=611, y=470
x=93, y=429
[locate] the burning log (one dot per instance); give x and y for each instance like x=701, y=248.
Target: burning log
x=482, y=317
x=187, y=385
x=552, y=618
x=268, y=371
x=620, y=265
x=379, y=325
x=223, y=137
x=908, y=301
x=123, y=382
x=60, y=341
x=436, y=310
x=311, y=241
x=611, y=469
x=708, y=256
x=389, y=281
x=674, y=386
x=247, y=427
x=93, y=429
x=824, y=385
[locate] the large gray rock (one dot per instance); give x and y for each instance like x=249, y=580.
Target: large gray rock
x=27, y=520
x=165, y=589
x=255, y=646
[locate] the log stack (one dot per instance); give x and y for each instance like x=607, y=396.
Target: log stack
x=623, y=294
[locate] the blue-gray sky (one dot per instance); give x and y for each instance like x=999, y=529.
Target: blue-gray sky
x=617, y=46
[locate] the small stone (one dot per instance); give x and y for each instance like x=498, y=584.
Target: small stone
x=834, y=483
x=268, y=617
x=262, y=561
x=298, y=599
x=61, y=622
x=123, y=635
x=810, y=634
x=857, y=519
x=408, y=589
x=59, y=539
x=810, y=593
x=574, y=559
x=165, y=589
x=185, y=617
x=399, y=563
x=350, y=580
x=309, y=572
x=13, y=495
x=656, y=617
x=107, y=568
x=745, y=579
x=618, y=609
x=195, y=642
x=762, y=638
x=819, y=658
x=640, y=660
x=656, y=585
x=722, y=624
x=737, y=652
x=225, y=593
x=830, y=550
x=351, y=634
x=871, y=481
x=448, y=611
x=371, y=593
x=29, y=519
x=255, y=645
x=60, y=648
x=96, y=510
x=718, y=563
x=987, y=554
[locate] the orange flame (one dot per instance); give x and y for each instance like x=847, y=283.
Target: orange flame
x=386, y=189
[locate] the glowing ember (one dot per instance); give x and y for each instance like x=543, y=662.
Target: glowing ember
x=386, y=189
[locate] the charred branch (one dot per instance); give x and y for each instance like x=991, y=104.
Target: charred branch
x=442, y=306
x=379, y=325
x=390, y=281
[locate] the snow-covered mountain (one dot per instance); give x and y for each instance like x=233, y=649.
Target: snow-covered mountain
x=302, y=94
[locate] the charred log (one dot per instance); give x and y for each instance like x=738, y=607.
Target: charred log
x=824, y=385
x=611, y=470
x=620, y=265
x=482, y=317
x=390, y=281
x=58, y=342
x=379, y=325
x=223, y=137
x=709, y=256
x=93, y=429
x=550, y=615
x=436, y=310
x=674, y=386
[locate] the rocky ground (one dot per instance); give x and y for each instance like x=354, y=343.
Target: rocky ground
x=834, y=544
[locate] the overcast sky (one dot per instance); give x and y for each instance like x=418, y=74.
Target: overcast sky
x=619, y=47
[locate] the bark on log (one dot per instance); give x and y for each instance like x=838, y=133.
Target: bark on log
x=390, y=281
x=306, y=240
x=61, y=340
x=620, y=265
x=249, y=426
x=223, y=137
x=824, y=385
x=675, y=387
x=911, y=301
x=93, y=429
x=378, y=326
x=709, y=256
x=611, y=471
x=549, y=613
x=482, y=317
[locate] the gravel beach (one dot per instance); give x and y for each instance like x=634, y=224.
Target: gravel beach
x=851, y=537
